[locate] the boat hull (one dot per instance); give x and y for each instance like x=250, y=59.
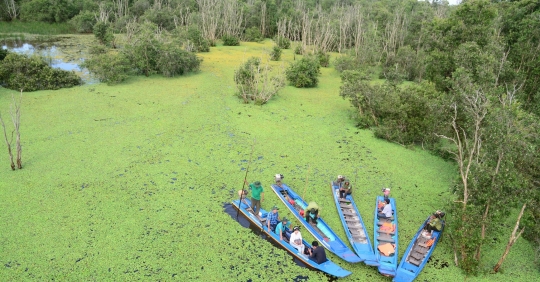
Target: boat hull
x=322, y=232
x=354, y=227
x=410, y=267
x=387, y=263
x=328, y=267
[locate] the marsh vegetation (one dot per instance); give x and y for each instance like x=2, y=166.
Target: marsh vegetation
x=438, y=102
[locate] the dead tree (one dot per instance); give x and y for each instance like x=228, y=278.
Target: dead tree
x=15, y=112
x=511, y=241
x=16, y=118
x=11, y=9
x=8, y=142
x=210, y=16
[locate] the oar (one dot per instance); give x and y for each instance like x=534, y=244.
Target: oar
x=245, y=180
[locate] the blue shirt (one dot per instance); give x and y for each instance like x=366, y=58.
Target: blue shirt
x=280, y=228
x=272, y=217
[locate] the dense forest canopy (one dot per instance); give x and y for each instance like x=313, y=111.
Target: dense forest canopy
x=462, y=81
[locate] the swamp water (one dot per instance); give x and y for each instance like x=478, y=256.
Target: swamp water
x=54, y=54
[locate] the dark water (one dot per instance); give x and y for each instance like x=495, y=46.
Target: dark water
x=237, y=216
x=53, y=56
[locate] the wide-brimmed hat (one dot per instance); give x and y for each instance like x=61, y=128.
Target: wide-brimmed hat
x=296, y=228
x=284, y=219
x=257, y=183
x=275, y=208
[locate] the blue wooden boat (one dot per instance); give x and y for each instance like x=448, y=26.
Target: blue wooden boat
x=322, y=232
x=387, y=262
x=354, y=227
x=416, y=255
x=328, y=267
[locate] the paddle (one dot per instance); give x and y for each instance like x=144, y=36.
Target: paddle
x=245, y=180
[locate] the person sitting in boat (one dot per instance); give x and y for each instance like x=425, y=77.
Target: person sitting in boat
x=387, y=210
x=317, y=253
x=278, y=179
x=296, y=240
x=345, y=189
x=339, y=181
x=282, y=227
x=312, y=212
x=435, y=222
x=272, y=219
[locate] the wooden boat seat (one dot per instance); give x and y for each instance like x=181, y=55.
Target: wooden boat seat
x=344, y=205
x=353, y=220
x=386, y=238
x=420, y=249
x=386, y=232
x=356, y=227
x=346, y=212
x=417, y=256
x=344, y=201
x=414, y=261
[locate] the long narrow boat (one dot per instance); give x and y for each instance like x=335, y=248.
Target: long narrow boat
x=416, y=255
x=328, y=267
x=386, y=239
x=322, y=232
x=354, y=227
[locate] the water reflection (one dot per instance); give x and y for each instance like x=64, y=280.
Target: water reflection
x=52, y=54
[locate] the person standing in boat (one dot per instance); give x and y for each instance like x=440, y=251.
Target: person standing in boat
x=257, y=196
x=317, y=253
x=296, y=240
x=312, y=212
x=345, y=189
x=272, y=219
x=387, y=210
x=339, y=181
x=282, y=227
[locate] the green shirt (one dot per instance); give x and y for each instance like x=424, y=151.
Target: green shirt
x=256, y=191
x=312, y=205
x=436, y=223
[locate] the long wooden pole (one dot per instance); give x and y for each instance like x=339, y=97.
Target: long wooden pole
x=305, y=188
x=245, y=179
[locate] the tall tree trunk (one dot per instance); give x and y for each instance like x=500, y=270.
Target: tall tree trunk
x=511, y=241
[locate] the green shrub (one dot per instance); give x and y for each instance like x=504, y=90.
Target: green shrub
x=48, y=11
x=324, y=58
x=194, y=35
x=103, y=33
x=229, y=40
x=256, y=83
x=106, y=66
x=174, y=60
x=282, y=42
x=346, y=62
x=253, y=34
x=32, y=74
x=164, y=18
x=3, y=53
x=304, y=72
x=83, y=22
x=150, y=51
x=275, y=54
x=299, y=49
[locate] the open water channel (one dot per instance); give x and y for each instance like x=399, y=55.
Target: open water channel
x=53, y=54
